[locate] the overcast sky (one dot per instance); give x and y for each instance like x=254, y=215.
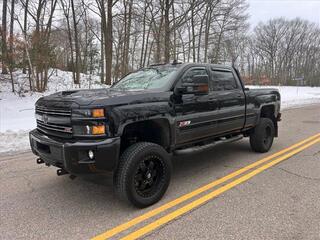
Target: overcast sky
x=263, y=10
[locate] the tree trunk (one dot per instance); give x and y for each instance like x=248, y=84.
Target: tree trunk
x=143, y=34
x=71, y=50
x=4, y=37
x=200, y=32
x=146, y=48
x=193, y=37
x=167, y=32
x=158, y=40
x=133, y=51
x=25, y=25
x=102, y=54
x=10, y=57
x=174, y=48
x=103, y=39
x=127, y=32
x=206, y=36
x=76, y=41
x=108, y=43
x=149, y=55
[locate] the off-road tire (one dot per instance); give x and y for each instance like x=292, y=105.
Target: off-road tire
x=261, y=138
x=131, y=160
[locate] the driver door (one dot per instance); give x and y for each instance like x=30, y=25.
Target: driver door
x=194, y=112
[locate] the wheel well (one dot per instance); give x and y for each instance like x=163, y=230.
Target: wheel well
x=269, y=112
x=155, y=131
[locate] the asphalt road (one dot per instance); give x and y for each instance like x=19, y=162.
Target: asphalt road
x=282, y=202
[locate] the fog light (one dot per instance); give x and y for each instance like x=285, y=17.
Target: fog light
x=98, y=130
x=90, y=154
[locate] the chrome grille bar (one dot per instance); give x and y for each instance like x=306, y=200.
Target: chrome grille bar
x=54, y=121
x=43, y=110
x=59, y=128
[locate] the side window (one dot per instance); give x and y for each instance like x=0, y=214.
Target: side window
x=222, y=81
x=187, y=77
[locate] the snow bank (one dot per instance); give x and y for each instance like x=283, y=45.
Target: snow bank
x=17, y=109
x=296, y=96
x=17, y=113
x=14, y=141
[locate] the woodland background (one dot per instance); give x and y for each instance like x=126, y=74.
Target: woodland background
x=111, y=38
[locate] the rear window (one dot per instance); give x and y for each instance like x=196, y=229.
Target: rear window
x=193, y=72
x=223, y=81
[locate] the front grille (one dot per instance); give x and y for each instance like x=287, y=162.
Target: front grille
x=55, y=122
x=58, y=112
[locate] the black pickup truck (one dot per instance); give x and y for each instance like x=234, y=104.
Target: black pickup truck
x=135, y=126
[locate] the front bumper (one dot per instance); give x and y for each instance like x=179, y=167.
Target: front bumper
x=73, y=155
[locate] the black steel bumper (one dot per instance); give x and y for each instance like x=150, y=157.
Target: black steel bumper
x=73, y=155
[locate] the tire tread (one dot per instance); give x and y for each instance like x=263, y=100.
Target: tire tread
x=256, y=136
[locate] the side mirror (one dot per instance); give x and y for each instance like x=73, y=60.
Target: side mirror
x=197, y=85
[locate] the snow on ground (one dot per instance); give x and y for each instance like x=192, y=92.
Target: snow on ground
x=295, y=96
x=17, y=112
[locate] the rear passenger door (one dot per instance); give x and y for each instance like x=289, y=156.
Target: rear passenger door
x=226, y=88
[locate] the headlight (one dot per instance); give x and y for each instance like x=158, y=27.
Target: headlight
x=85, y=130
x=89, y=122
x=97, y=113
x=88, y=113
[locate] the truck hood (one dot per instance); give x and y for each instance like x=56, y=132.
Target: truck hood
x=101, y=97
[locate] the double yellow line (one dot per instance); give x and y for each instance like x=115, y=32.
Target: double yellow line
x=255, y=167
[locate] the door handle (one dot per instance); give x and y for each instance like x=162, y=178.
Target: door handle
x=213, y=98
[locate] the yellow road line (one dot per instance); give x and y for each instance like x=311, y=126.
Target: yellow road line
x=169, y=217
x=183, y=198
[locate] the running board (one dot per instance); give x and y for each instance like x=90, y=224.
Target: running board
x=207, y=146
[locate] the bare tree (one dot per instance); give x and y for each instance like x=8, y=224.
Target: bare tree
x=285, y=51
x=76, y=41
x=4, y=36
x=10, y=57
x=25, y=26
x=110, y=38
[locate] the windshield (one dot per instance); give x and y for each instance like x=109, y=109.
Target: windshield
x=149, y=78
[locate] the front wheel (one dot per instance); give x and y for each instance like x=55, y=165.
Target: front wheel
x=143, y=174
x=261, y=138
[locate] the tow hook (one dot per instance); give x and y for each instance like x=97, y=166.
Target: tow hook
x=279, y=117
x=40, y=161
x=61, y=172
x=72, y=177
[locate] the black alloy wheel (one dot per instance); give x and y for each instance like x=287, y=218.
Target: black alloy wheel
x=143, y=175
x=149, y=175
